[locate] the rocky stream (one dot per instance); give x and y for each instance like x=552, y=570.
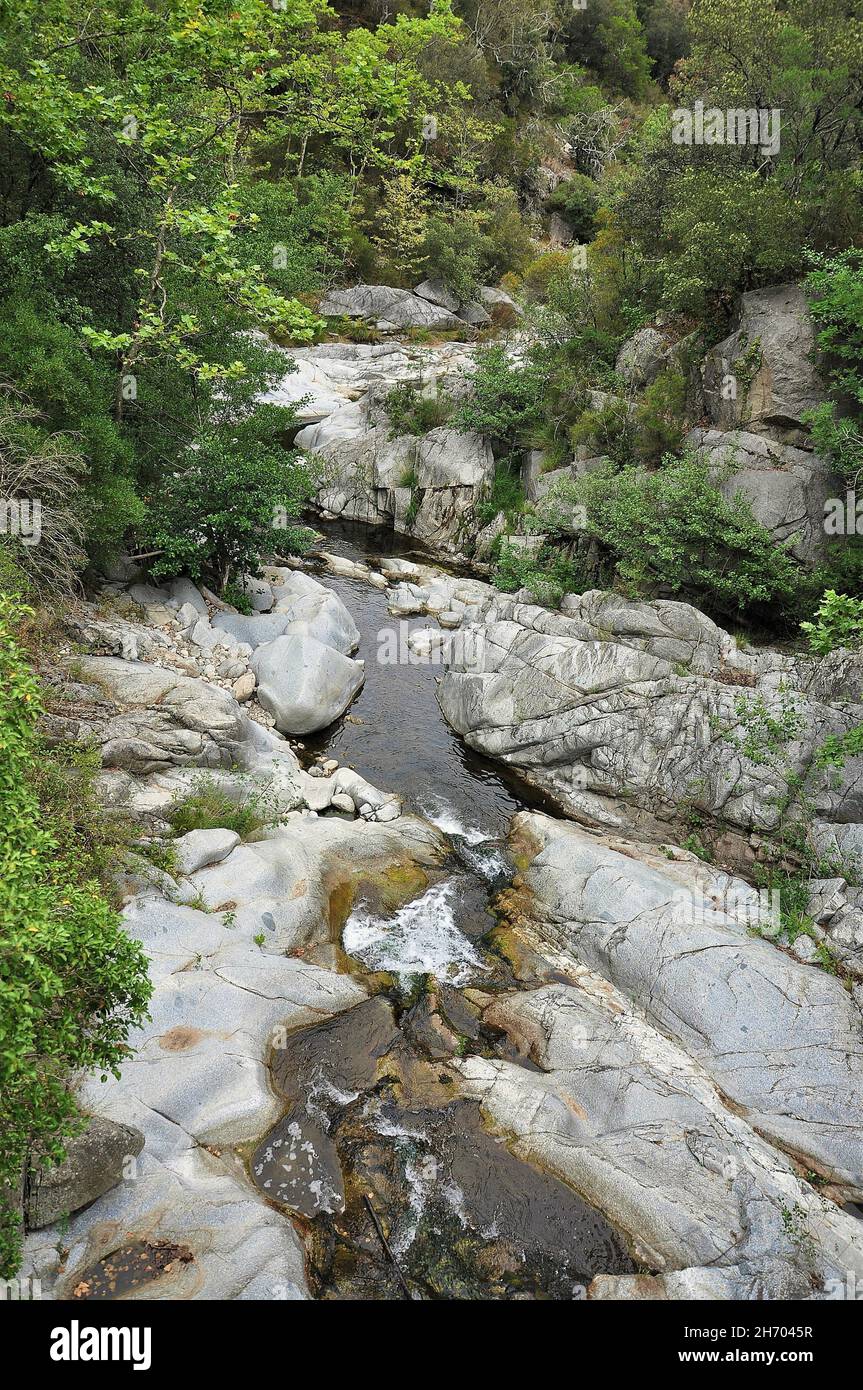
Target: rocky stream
x=465, y=1015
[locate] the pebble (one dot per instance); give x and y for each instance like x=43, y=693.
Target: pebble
x=244, y=687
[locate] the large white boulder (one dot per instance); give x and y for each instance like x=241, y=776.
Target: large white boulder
x=449, y=458
x=324, y=617
x=771, y=359
x=304, y=684
x=786, y=488
x=391, y=307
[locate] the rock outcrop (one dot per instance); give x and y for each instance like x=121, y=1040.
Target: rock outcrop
x=389, y=308
x=427, y=486
x=680, y=1061
x=770, y=360
x=630, y=713
x=786, y=488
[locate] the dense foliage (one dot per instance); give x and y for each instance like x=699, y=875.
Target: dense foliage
x=72, y=983
x=670, y=531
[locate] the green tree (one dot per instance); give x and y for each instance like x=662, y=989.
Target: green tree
x=607, y=37
x=235, y=499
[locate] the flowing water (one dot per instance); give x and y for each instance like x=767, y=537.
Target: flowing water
x=398, y=1188
x=402, y=743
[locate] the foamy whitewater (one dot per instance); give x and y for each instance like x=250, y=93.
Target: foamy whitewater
x=445, y=817
x=420, y=939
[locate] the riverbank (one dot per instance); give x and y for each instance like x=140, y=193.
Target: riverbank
x=445, y=1053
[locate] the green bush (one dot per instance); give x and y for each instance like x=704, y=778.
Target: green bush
x=607, y=37
x=40, y=474
x=72, y=983
x=839, y=438
x=453, y=251
x=73, y=395
x=610, y=430
x=672, y=531
x=660, y=417
x=410, y=412
x=505, y=401
x=546, y=573
x=835, y=289
x=209, y=806
x=541, y=273
x=234, y=500
x=506, y=494
x=838, y=623
x=577, y=200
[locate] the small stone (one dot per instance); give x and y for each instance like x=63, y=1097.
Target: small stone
x=342, y=802
x=826, y=897
x=203, y=635
x=805, y=950
x=158, y=615
x=449, y=620
x=188, y=616
x=244, y=687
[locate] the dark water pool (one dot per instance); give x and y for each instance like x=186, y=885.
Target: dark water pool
x=394, y=733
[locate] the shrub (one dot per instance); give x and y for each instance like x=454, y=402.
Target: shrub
x=838, y=623
x=610, y=430
x=673, y=531
x=410, y=412
x=508, y=245
x=72, y=983
x=209, y=806
x=506, y=495
x=65, y=779
x=582, y=323
x=40, y=493
x=659, y=419
x=577, y=200
x=237, y=597
x=505, y=401
x=541, y=272
x=546, y=573
x=839, y=438
x=835, y=289
x=453, y=251
x=73, y=396
x=399, y=232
